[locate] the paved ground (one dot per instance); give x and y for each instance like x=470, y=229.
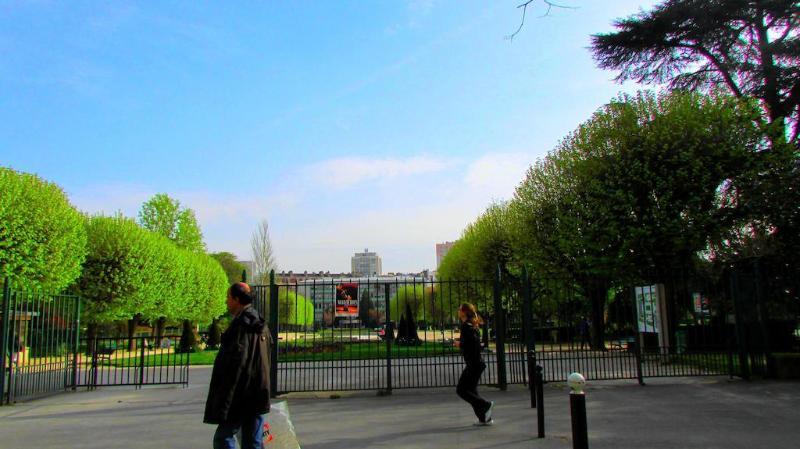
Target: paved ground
x=667, y=413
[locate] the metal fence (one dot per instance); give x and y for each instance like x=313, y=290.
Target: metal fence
x=378, y=334
x=37, y=335
x=44, y=353
x=383, y=334
x=136, y=361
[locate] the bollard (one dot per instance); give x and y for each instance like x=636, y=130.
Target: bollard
x=539, y=381
x=577, y=410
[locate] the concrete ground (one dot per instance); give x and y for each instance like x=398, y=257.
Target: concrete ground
x=667, y=413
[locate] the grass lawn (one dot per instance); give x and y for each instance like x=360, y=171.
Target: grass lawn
x=302, y=351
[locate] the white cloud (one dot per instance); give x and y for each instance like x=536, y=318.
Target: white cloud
x=400, y=208
x=347, y=172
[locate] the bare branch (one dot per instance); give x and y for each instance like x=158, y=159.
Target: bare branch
x=524, y=6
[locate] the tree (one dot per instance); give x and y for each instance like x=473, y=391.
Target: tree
x=483, y=247
x=165, y=216
x=294, y=309
x=367, y=312
x=134, y=274
x=263, y=257
x=42, y=237
x=233, y=268
x=751, y=47
x=634, y=192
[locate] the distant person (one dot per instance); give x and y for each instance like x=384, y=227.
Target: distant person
x=239, y=394
x=583, y=331
x=470, y=346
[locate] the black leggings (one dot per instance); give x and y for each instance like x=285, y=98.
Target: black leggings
x=468, y=389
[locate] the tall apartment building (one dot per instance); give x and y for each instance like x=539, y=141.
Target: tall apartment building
x=366, y=264
x=441, y=250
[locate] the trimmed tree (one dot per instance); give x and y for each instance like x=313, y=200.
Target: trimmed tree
x=42, y=237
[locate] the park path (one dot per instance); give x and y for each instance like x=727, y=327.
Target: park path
x=667, y=413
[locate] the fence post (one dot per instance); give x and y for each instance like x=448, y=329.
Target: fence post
x=740, y=327
x=762, y=317
x=527, y=326
x=539, y=383
x=273, y=327
x=388, y=334
x=637, y=344
x=142, y=363
x=76, y=344
x=577, y=411
x=500, y=332
x=4, y=341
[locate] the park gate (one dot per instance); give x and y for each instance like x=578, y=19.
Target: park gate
x=44, y=353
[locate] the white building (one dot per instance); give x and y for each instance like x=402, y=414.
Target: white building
x=366, y=264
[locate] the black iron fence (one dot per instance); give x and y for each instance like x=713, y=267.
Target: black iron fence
x=44, y=353
x=388, y=333
x=382, y=334
x=37, y=335
x=136, y=361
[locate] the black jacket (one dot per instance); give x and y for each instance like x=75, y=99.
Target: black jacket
x=240, y=378
x=470, y=344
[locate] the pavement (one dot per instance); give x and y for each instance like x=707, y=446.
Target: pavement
x=666, y=413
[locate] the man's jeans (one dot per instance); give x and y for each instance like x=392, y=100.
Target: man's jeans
x=252, y=434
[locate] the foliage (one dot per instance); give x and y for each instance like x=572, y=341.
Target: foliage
x=425, y=303
x=164, y=215
x=131, y=271
x=484, y=246
x=635, y=188
x=294, y=309
x=750, y=47
x=233, y=268
x=214, y=335
x=42, y=238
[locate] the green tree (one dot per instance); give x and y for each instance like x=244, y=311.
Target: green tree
x=122, y=275
x=484, y=246
x=294, y=309
x=233, y=268
x=752, y=49
x=634, y=191
x=165, y=216
x=42, y=238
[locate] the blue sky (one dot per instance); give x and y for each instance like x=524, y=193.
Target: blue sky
x=386, y=125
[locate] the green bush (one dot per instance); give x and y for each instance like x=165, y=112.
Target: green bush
x=42, y=238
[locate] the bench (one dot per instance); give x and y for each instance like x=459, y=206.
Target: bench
x=104, y=353
x=623, y=344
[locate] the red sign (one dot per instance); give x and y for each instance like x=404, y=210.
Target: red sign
x=347, y=300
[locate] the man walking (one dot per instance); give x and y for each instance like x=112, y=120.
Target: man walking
x=238, y=396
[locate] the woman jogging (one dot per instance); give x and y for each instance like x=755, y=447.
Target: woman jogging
x=470, y=345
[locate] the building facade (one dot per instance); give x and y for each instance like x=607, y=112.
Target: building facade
x=366, y=264
x=441, y=251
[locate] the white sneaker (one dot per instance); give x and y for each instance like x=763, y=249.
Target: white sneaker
x=489, y=412
x=486, y=423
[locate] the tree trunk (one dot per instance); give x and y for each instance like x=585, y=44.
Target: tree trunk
x=132, y=323
x=91, y=334
x=159, y=330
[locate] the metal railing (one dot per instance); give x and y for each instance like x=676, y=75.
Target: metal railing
x=43, y=352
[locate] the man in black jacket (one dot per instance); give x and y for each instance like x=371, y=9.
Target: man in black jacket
x=238, y=396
